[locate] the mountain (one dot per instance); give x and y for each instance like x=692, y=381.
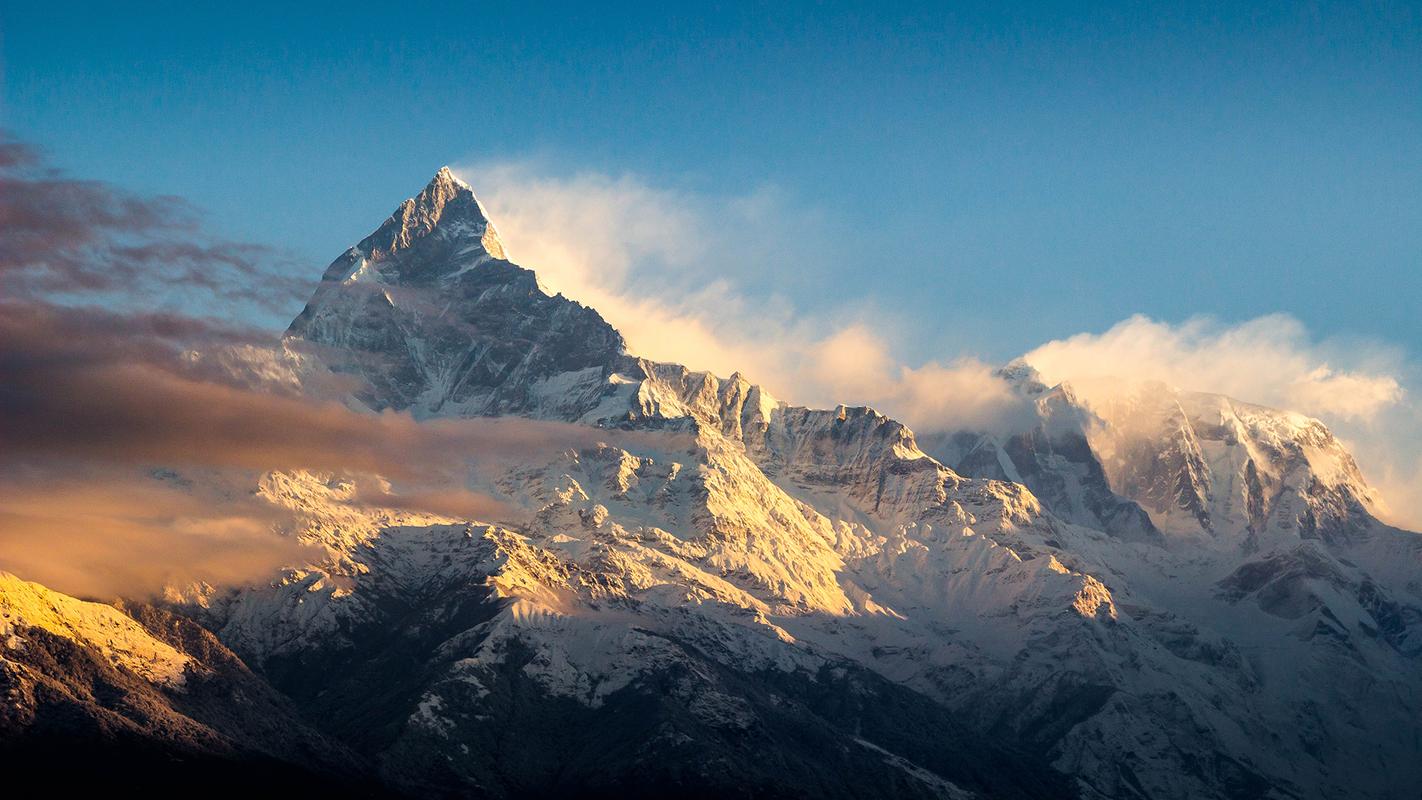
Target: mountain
x=1209, y=465
x=146, y=697
x=1148, y=594
x=1054, y=458
x=433, y=319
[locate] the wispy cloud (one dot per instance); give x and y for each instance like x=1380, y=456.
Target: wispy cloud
x=83, y=383
x=1270, y=360
x=62, y=237
x=100, y=531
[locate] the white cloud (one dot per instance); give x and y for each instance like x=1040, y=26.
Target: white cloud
x=672, y=271
x=1359, y=389
x=1269, y=360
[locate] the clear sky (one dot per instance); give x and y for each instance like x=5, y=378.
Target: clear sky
x=1023, y=171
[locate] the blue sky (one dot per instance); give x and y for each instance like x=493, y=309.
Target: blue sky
x=990, y=178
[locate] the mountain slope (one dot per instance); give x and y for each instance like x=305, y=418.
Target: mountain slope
x=144, y=695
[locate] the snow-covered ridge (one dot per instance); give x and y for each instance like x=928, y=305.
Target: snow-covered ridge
x=111, y=632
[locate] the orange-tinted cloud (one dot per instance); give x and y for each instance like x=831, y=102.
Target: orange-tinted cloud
x=89, y=385
x=93, y=404
x=110, y=532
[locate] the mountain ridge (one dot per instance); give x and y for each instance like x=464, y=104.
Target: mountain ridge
x=1039, y=614
x=875, y=478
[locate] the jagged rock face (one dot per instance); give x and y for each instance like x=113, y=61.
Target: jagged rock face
x=1329, y=597
x=1253, y=476
x=762, y=599
x=1054, y=459
x=584, y=654
x=1266, y=512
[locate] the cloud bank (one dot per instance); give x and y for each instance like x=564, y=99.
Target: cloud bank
x=1270, y=360
x=104, y=532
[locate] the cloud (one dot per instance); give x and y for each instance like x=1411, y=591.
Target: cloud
x=1366, y=392
x=1269, y=360
x=857, y=365
x=690, y=278
x=107, y=532
x=104, y=387
x=93, y=402
x=660, y=264
x=66, y=238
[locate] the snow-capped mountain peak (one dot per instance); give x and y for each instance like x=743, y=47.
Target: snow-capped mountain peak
x=430, y=313
x=447, y=205
x=445, y=223
x=447, y=175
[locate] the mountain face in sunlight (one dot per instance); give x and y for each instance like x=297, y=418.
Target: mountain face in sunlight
x=1143, y=592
